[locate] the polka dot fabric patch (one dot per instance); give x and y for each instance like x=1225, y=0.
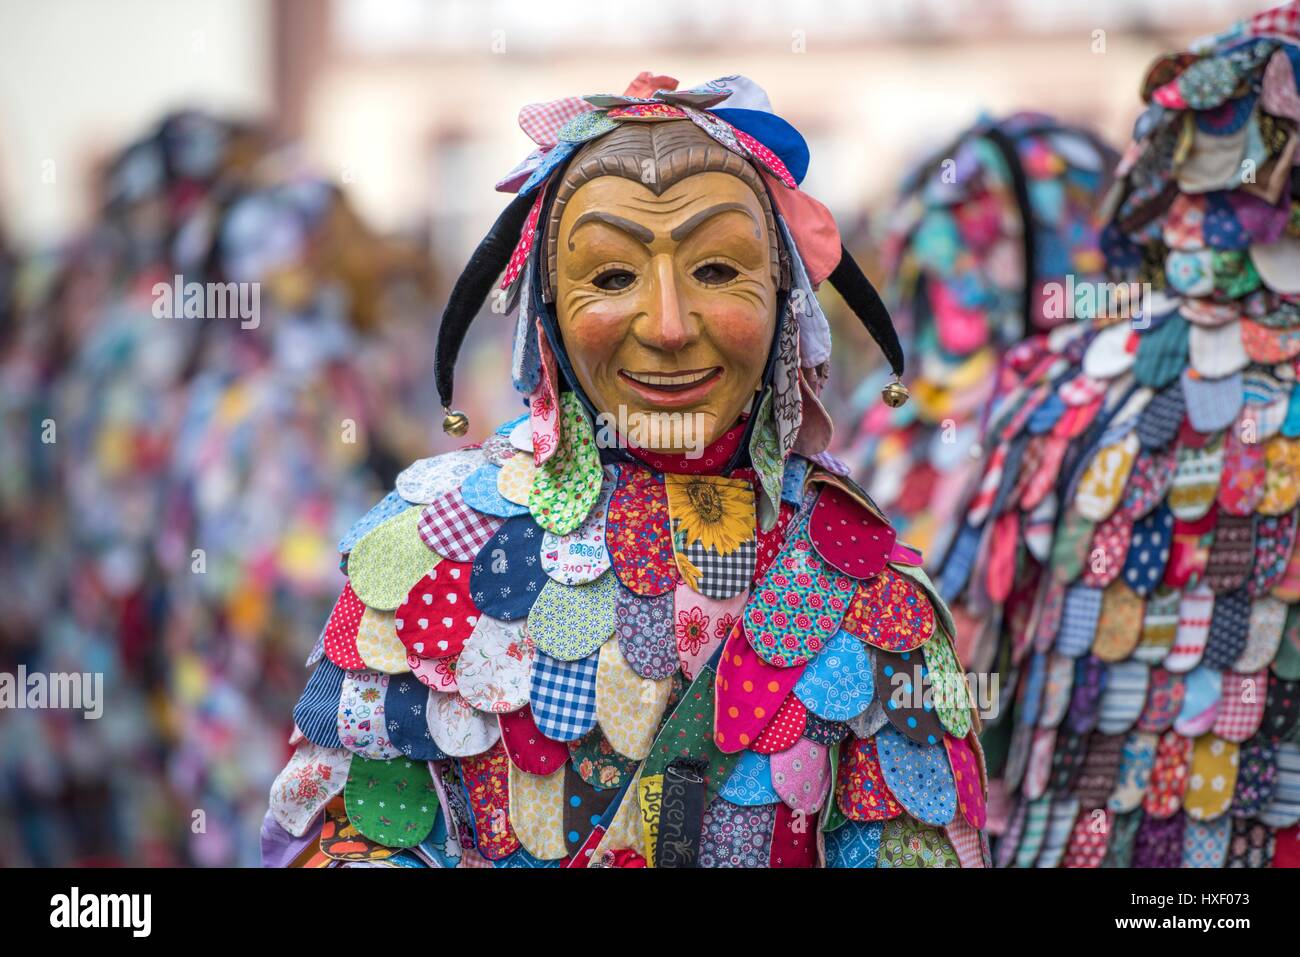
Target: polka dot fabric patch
x=847, y=535
x=797, y=606
x=902, y=685
x=341, y=631
x=749, y=692
x=438, y=613
x=919, y=776
x=785, y=728
x=1168, y=782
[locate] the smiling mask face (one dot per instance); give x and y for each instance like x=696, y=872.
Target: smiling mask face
x=667, y=303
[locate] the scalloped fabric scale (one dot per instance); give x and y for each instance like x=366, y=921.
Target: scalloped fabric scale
x=644, y=626
x=860, y=789
x=798, y=604
x=919, y=776
x=312, y=776
x=801, y=774
x=507, y=575
x=459, y=728
x=628, y=706
x=580, y=556
x=749, y=692
x=569, y=622
x=389, y=560
x=494, y=670
x=340, y=635
x=537, y=812
x=423, y=481
x=563, y=696
x=847, y=535
x=839, y=683
x=452, y=529
x=638, y=535
x=751, y=781
x=393, y=803
x=362, y=726
x=699, y=625
x=378, y=644
x=438, y=613
x=567, y=486
x=892, y=612
x=480, y=492
x=527, y=747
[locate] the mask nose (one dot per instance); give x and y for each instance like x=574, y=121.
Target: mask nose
x=668, y=327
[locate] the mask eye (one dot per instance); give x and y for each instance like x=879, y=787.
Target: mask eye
x=614, y=280
x=715, y=274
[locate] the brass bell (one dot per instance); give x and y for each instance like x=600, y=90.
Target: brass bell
x=455, y=422
x=895, y=394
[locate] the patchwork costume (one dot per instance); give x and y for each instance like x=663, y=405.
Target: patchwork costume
x=1131, y=544
x=979, y=249
x=554, y=651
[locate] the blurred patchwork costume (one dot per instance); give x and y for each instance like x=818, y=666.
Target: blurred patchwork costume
x=1132, y=540
x=553, y=650
x=983, y=235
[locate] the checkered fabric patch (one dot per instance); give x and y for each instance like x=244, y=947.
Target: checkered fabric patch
x=1283, y=21
x=563, y=696
x=723, y=576
x=454, y=530
x=1241, y=707
x=543, y=121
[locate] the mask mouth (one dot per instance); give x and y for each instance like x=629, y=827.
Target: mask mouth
x=656, y=387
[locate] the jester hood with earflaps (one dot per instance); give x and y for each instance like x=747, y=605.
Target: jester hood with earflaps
x=554, y=649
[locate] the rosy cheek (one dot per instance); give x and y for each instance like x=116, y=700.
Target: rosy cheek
x=594, y=333
x=739, y=333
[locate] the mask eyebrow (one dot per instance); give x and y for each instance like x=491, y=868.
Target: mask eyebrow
x=682, y=230
x=635, y=230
